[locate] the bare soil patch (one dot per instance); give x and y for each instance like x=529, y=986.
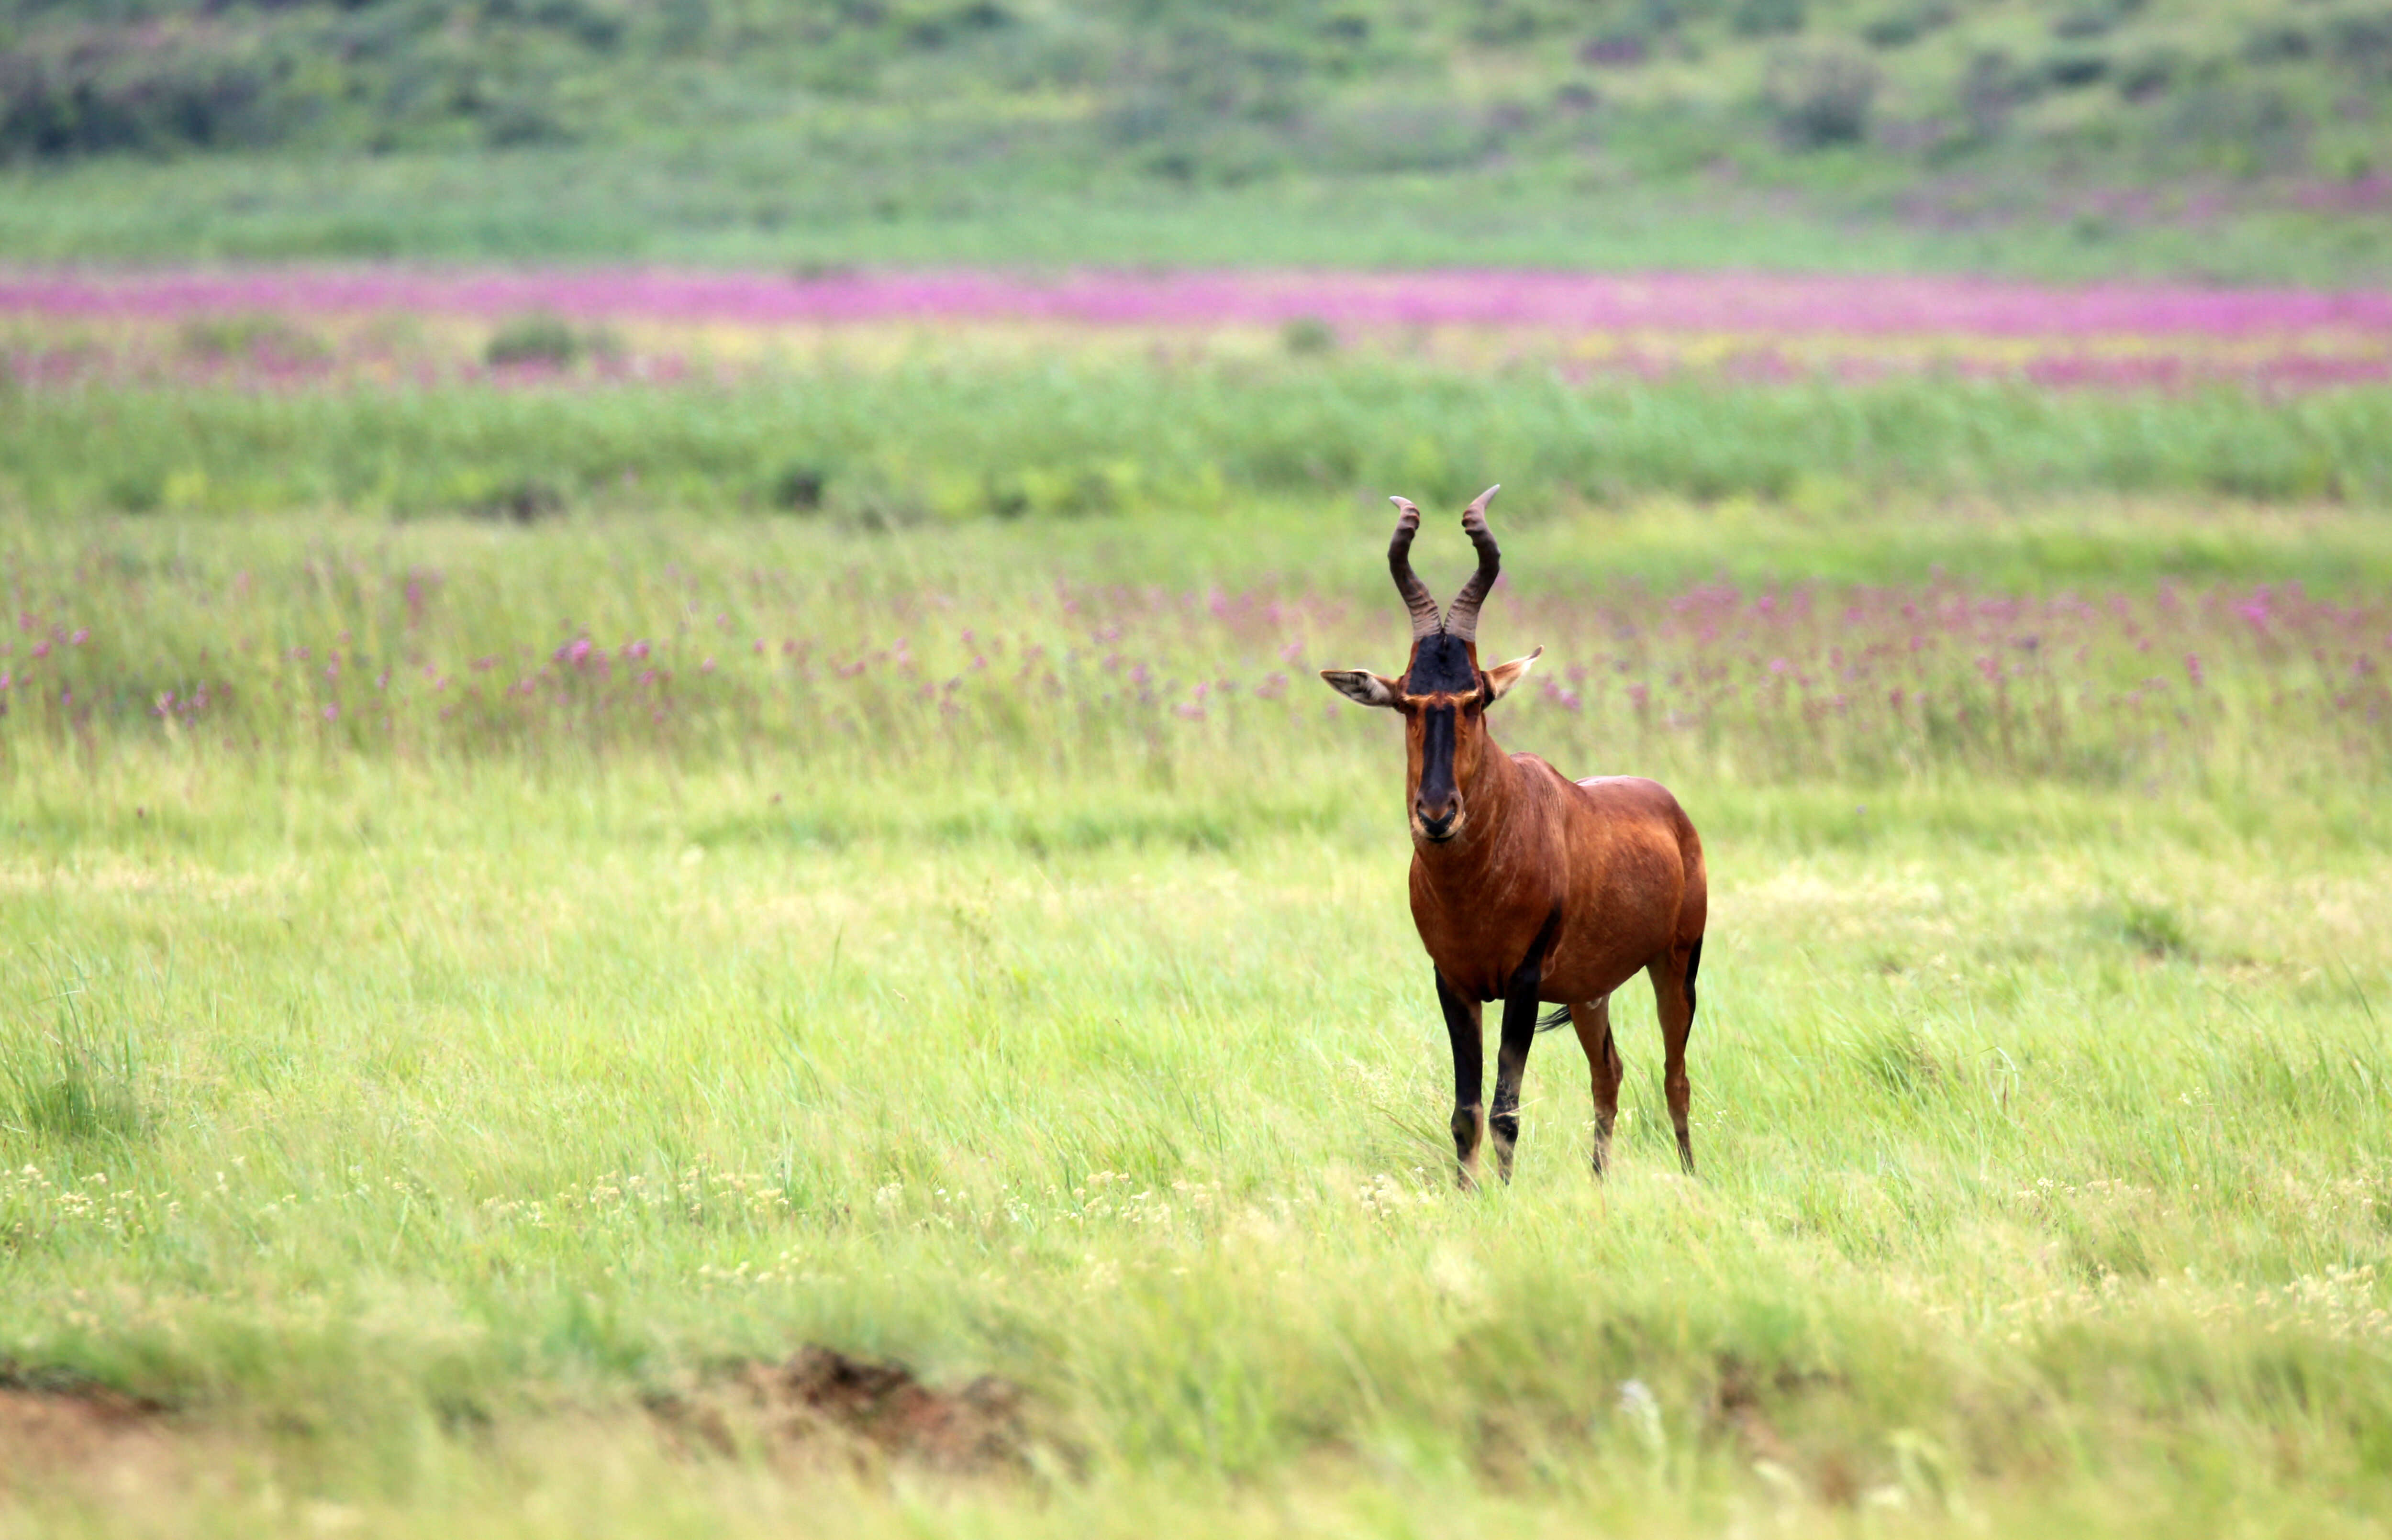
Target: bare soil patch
x=53, y=1424
x=824, y=1408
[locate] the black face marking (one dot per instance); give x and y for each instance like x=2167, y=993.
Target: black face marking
x=1437, y=788
x=1441, y=665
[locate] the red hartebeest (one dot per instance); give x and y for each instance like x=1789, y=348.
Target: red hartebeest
x=1526, y=885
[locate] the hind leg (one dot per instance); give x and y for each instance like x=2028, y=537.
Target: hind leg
x=1592, y=1020
x=1673, y=997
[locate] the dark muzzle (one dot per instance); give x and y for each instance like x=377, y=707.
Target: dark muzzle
x=1436, y=803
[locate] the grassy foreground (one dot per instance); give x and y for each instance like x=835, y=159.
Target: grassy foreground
x=402, y=1094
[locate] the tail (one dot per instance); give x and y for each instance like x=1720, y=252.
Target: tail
x=1559, y=1017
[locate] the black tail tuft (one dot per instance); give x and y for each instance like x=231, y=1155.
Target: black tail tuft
x=1558, y=1016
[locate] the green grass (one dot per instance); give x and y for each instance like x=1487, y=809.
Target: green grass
x=931, y=440
x=403, y=1109
x=604, y=206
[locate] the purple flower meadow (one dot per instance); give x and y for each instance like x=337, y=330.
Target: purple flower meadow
x=1799, y=682
x=1748, y=325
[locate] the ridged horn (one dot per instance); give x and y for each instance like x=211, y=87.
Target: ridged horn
x=1399, y=561
x=1462, y=615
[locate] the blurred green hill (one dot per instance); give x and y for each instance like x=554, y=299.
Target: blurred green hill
x=2231, y=137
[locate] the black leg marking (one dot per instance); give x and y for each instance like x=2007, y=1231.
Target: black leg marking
x=1462, y=1026
x=1519, y=1031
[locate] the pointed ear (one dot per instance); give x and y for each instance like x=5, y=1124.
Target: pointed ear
x=1360, y=685
x=1503, y=676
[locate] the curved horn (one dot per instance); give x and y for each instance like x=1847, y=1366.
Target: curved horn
x=1462, y=615
x=1399, y=561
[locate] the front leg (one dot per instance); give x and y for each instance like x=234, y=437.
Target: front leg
x=1512, y=1061
x=1469, y=1075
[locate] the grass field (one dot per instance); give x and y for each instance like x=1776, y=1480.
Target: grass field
x=775, y=204
x=466, y=988
x=580, y=867
x=923, y=441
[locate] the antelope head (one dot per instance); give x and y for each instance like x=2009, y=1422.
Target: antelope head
x=1442, y=693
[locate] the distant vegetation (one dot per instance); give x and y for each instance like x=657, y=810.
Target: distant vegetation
x=1185, y=90
x=767, y=123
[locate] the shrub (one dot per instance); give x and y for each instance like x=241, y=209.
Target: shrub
x=798, y=487
x=526, y=501
x=135, y=492
x=2277, y=43
x=1767, y=18
x=538, y=338
x=119, y=93
x=2362, y=41
x=1819, y=97
x=1615, y=49
x=1993, y=86
x=1307, y=336
x=2148, y=73
x=249, y=336
x=1901, y=28
x=2071, y=71
x=2095, y=18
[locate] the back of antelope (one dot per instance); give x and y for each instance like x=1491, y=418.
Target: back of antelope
x=1527, y=887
